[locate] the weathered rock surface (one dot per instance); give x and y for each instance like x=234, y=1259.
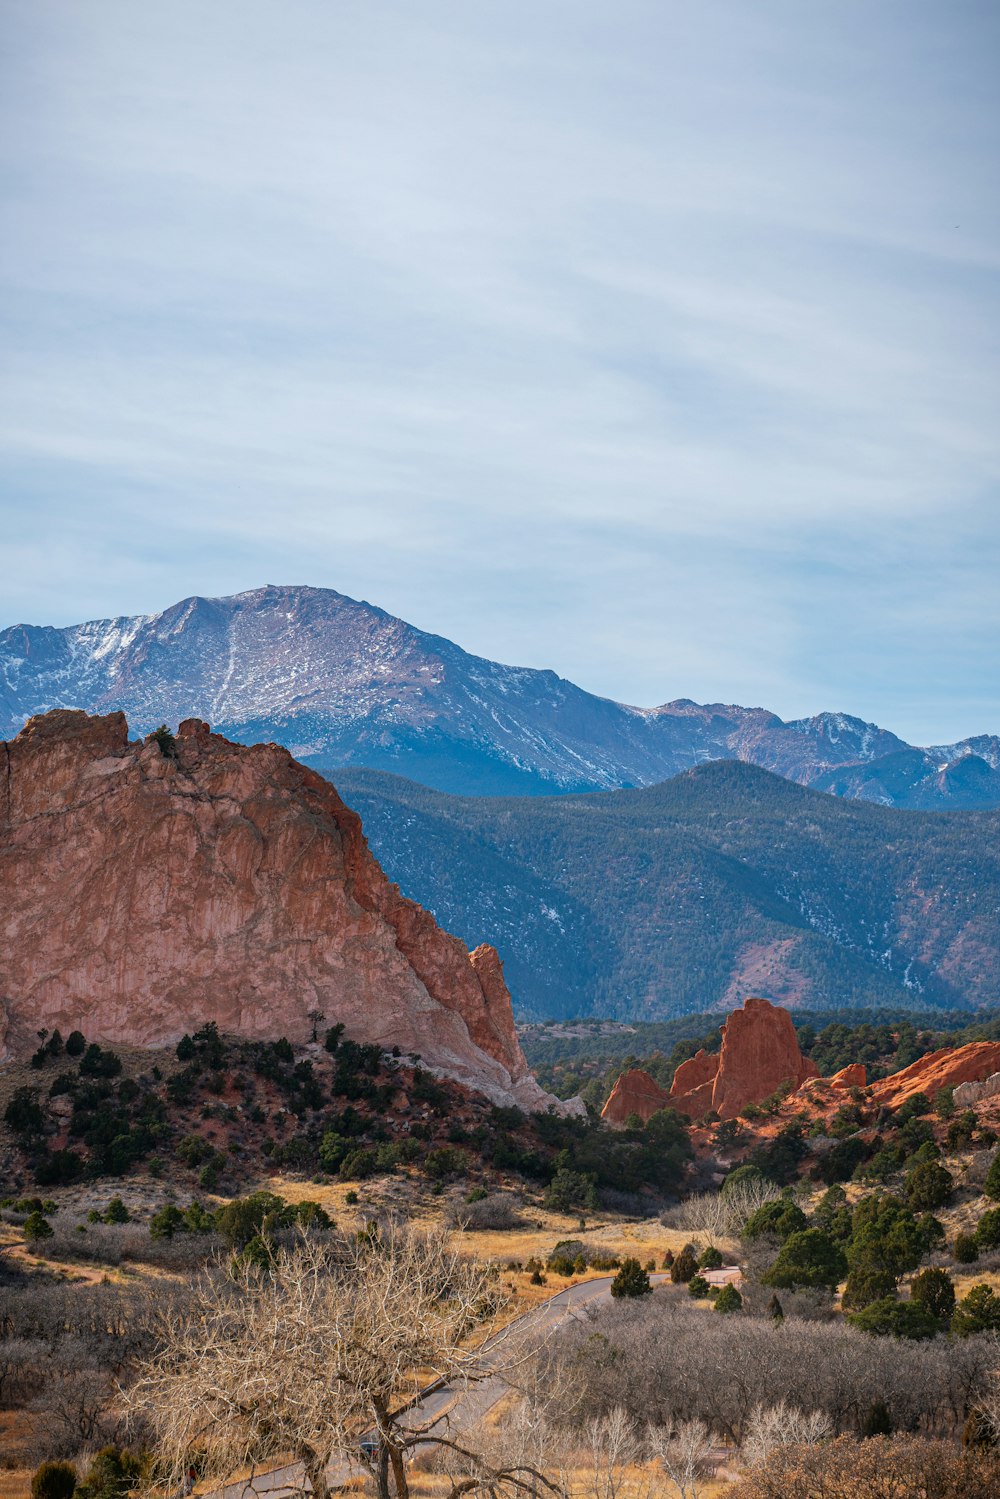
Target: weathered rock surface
x=939, y=1069
x=966, y=1094
x=854, y=1075
x=635, y=1092
x=144, y=894
x=694, y=1080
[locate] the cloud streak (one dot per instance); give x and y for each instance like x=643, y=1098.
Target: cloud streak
x=655, y=345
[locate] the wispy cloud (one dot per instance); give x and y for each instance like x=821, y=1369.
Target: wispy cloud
x=654, y=343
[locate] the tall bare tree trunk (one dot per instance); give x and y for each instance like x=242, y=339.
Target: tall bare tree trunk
x=399, y=1473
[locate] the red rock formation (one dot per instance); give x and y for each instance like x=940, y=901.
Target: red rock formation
x=635, y=1092
x=694, y=1080
x=939, y=1069
x=854, y=1075
x=144, y=894
x=760, y=1051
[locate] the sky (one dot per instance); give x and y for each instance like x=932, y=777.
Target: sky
x=656, y=343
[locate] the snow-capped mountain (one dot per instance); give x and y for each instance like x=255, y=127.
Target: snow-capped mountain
x=341, y=682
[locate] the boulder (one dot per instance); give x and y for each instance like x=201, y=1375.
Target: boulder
x=145, y=893
x=855, y=1075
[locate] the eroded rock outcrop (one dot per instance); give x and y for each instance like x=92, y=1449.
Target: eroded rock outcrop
x=760, y=1051
x=635, y=1092
x=694, y=1081
x=145, y=893
x=939, y=1069
x=966, y=1094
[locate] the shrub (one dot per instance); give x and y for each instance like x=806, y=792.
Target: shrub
x=76, y=1044
x=116, y=1212
x=486, y=1212
x=569, y=1190
x=447, y=1160
x=991, y=1186
x=53, y=1481
x=699, y=1287
x=740, y=1178
x=631, y=1280
x=928, y=1186
x=37, y=1228
x=965, y=1250
x=913, y=1108
x=809, y=1258
x=882, y=1465
x=24, y=1116
x=897, y=1319
x=868, y=1281
x=961, y=1130
x=932, y=1289
x=728, y=1299
x=167, y=1222
x=113, y=1474
x=685, y=1265
x=240, y=1220
x=987, y=1234
x=709, y=1259
x=977, y=1312
x=779, y=1219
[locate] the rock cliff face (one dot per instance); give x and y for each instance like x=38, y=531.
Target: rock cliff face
x=966, y=1094
x=759, y=1052
x=635, y=1092
x=939, y=1069
x=143, y=894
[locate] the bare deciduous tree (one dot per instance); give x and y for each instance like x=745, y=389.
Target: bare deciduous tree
x=683, y=1454
x=781, y=1425
x=718, y=1216
x=322, y=1350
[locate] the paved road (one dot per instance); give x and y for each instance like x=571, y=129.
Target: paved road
x=464, y=1404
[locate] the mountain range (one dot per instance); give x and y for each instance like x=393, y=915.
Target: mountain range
x=689, y=895
x=342, y=683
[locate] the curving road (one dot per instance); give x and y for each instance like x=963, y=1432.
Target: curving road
x=464, y=1405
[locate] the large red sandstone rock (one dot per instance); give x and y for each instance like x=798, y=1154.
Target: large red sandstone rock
x=143, y=895
x=694, y=1081
x=939, y=1069
x=760, y=1051
x=635, y=1092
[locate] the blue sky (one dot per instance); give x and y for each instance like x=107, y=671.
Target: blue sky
x=656, y=343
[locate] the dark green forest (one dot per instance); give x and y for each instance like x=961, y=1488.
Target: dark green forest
x=723, y=881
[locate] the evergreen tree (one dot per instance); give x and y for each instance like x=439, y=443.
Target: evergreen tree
x=631, y=1280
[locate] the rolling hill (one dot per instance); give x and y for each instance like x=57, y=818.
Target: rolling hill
x=686, y=896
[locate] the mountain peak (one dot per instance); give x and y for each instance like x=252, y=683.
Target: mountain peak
x=341, y=682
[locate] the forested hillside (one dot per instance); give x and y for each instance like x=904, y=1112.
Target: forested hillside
x=685, y=896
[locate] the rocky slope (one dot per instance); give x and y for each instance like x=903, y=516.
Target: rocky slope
x=343, y=683
x=144, y=893
x=686, y=896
